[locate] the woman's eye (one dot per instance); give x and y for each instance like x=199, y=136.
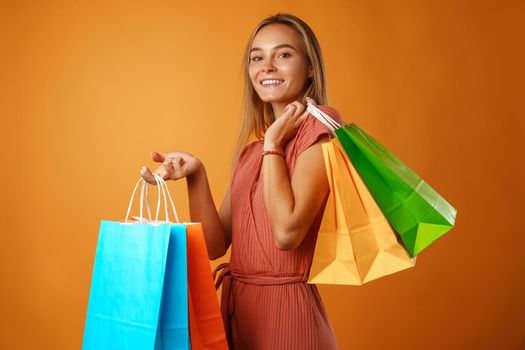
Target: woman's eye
x=258, y=58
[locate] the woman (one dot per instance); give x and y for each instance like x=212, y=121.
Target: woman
x=273, y=207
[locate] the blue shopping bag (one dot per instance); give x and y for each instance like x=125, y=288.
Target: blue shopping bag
x=139, y=291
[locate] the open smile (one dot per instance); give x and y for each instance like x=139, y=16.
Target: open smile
x=271, y=82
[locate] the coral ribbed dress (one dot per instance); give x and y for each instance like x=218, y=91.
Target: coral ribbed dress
x=266, y=302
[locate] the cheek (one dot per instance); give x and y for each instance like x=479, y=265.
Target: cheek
x=297, y=75
x=252, y=74
x=293, y=70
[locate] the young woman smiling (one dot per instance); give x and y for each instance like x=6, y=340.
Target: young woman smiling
x=274, y=204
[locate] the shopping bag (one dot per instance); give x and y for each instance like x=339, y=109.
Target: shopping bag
x=413, y=208
x=138, y=296
x=206, y=326
x=355, y=243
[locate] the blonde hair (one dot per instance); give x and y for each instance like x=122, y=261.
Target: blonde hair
x=258, y=115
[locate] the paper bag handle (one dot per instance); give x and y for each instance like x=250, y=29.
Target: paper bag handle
x=161, y=186
x=322, y=117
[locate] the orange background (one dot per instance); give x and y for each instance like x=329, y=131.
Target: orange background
x=88, y=90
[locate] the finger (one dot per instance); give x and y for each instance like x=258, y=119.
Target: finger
x=157, y=157
x=290, y=108
x=299, y=108
x=298, y=104
x=147, y=175
x=178, y=160
x=173, y=162
x=163, y=171
x=311, y=101
x=177, y=168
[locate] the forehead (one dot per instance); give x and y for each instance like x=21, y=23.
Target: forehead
x=276, y=34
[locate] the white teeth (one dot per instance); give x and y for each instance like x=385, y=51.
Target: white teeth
x=269, y=82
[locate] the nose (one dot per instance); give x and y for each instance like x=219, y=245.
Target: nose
x=268, y=66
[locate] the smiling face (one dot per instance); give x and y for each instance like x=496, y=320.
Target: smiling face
x=276, y=54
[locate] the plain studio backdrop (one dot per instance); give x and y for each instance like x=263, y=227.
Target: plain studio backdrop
x=90, y=88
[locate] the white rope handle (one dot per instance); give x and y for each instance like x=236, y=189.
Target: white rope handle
x=141, y=200
x=323, y=117
x=144, y=194
x=132, y=197
x=160, y=184
x=165, y=190
x=158, y=200
x=147, y=202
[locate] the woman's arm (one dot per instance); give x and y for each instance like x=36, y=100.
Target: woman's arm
x=216, y=226
x=293, y=204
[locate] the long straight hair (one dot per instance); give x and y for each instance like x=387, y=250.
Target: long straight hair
x=258, y=115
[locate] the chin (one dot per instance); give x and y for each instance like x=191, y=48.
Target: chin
x=271, y=99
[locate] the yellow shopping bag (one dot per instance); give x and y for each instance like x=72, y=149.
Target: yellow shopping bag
x=355, y=243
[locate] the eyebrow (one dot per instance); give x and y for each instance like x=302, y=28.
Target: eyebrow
x=275, y=47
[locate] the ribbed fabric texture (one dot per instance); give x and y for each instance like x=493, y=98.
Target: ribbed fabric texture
x=269, y=303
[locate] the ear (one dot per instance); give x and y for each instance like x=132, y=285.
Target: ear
x=310, y=72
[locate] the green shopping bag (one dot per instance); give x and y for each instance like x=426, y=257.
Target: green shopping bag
x=413, y=208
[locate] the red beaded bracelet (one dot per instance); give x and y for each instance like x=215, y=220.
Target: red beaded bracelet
x=273, y=152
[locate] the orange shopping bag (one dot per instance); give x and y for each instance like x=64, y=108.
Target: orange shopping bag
x=205, y=320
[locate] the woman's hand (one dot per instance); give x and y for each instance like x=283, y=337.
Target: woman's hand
x=175, y=165
x=286, y=126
